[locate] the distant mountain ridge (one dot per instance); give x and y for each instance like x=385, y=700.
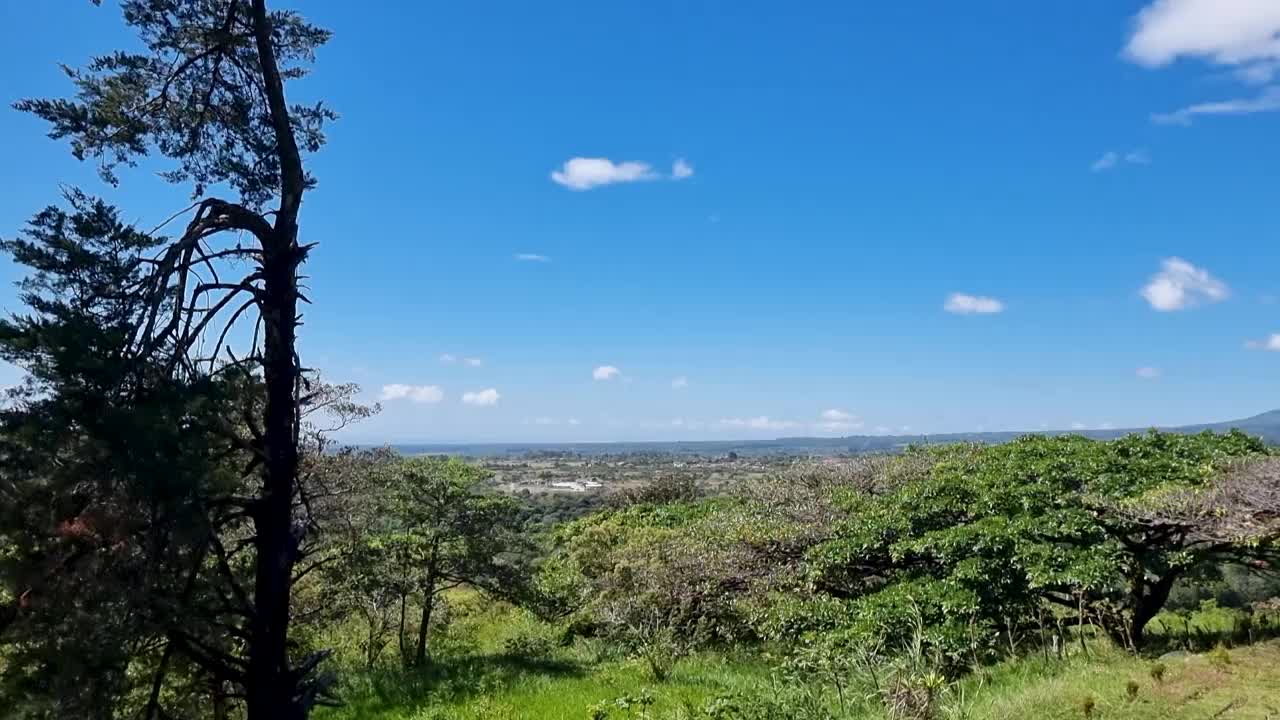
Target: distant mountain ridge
x=1265, y=425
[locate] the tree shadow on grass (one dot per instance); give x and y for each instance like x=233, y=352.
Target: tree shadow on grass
x=446, y=680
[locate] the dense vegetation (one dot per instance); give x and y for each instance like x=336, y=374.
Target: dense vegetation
x=179, y=538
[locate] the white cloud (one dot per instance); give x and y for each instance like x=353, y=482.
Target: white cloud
x=838, y=426
x=605, y=372
x=1180, y=285
x=448, y=359
x=1112, y=159
x=582, y=173
x=1267, y=101
x=1271, y=343
x=481, y=398
x=1237, y=33
x=1149, y=373
x=836, y=415
x=763, y=422
x=679, y=383
x=575, y=421
x=1079, y=426
x=1106, y=162
x=681, y=169
x=962, y=304
x=1138, y=157
x=472, y=362
x=532, y=257
x=428, y=394
x=545, y=421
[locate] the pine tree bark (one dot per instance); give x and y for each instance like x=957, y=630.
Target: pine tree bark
x=272, y=692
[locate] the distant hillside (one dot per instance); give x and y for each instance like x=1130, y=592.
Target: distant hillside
x=1265, y=426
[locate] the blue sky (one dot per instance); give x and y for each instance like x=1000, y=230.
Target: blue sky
x=1096, y=181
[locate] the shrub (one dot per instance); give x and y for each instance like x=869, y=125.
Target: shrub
x=528, y=646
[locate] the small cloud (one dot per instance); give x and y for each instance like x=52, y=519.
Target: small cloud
x=762, y=422
x=545, y=421
x=1078, y=426
x=448, y=359
x=481, y=398
x=532, y=257
x=1180, y=285
x=1267, y=101
x=605, y=372
x=962, y=304
x=1149, y=373
x=574, y=421
x=681, y=169
x=472, y=362
x=582, y=173
x=1138, y=157
x=1271, y=343
x=713, y=218
x=1107, y=426
x=679, y=383
x=1106, y=162
x=1112, y=159
x=837, y=421
x=426, y=394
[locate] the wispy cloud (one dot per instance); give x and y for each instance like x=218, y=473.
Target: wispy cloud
x=1267, y=101
x=1270, y=343
x=605, y=372
x=679, y=383
x=451, y=359
x=762, y=422
x=1180, y=285
x=481, y=398
x=837, y=421
x=964, y=304
x=1148, y=373
x=681, y=169
x=583, y=173
x=1113, y=159
x=426, y=394
x=1108, y=160
x=532, y=257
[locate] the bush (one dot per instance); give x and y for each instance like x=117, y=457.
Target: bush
x=528, y=646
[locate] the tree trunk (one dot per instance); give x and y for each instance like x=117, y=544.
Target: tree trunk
x=404, y=651
x=272, y=686
x=1150, y=605
x=420, y=656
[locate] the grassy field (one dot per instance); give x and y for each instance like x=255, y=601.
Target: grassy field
x=485, y=671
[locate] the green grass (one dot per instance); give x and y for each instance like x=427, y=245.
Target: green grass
x=475, y=678
x=1193, y=687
